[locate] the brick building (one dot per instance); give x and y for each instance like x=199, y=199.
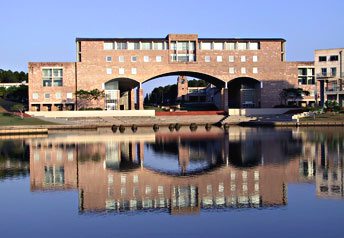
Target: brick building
x=247, y=72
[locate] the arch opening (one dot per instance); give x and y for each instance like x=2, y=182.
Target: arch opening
x=244, y=92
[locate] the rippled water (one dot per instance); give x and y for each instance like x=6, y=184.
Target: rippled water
x=247, y=182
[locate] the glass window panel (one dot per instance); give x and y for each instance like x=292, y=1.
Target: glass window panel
x=146, y=46
x=158, y=46
x=108, y=45
x=218, y=46
x=230, y=46
x=206, y=46
x=242, y=46
x=173, y=45
x=253, y=46
x=47, y=73
x=133, y=46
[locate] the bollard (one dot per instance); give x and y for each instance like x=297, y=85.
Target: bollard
x=114, y=128
x=193, y=127
x=121, y=128
x=155, y=127
x=134, y=128
x=177, y=126
x=207, y=127
x=171, y=127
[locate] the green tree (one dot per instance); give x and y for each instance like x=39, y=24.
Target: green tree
x=292, y=94
x=20, y=108
x=86, y=97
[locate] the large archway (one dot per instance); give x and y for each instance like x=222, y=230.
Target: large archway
x=119, y=94
x=244, y=92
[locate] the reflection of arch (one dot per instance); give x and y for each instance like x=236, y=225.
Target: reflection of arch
x=211, y=79
x=244, y=92
x=122, y=84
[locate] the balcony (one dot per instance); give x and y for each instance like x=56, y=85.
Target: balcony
x=329, y=75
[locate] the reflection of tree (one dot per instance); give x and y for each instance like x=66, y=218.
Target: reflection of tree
x=14, y=158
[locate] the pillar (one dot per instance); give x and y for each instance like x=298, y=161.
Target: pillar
x=132, y=100
x=139, y=97
x=322, y=93
x=118, y=100
x=224, y=99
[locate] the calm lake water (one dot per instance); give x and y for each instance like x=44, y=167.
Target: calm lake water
x=249, y=182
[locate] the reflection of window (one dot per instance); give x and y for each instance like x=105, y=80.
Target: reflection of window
x=148, y=190
x=54, y=175
x=123, y=179
x=136, y=179
x=160, y=189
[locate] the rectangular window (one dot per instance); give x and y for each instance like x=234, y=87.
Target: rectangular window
x=108, y=71
x=145, y=58
x=334, y=58
x=218, y=46
x=333, y=71
x=158, y=45
x=173, y=57
x=121, y=45
x=35, y=96
x=69, y=95
x=322, y=58
x=242, y=46
x=146, y=46
x=121, y=70
x=207, y=58
x=324, y=71
x=206, y=45
x=255, y=58
x=243, y=70
x=133, y=46
x=192, y=45
x=121, y=58
x=231, y=58
x=108, y=58
x=158, y=59
x=52, y=77
x=230, y=46
x=173, y=45
x=231, y=70
x=133, y=71
x=243, y=58
x=133, y=58
x=182, y=45
x=47, y=95
x=108, y=46
x=254, y=46
x=58, y=95
x=255, y=70
x=219, y=58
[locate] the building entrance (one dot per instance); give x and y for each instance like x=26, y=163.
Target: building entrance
x=111, y=99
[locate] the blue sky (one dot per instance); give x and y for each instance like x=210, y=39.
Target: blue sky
x=37, y=30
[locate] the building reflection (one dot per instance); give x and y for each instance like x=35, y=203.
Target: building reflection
x=244, y=168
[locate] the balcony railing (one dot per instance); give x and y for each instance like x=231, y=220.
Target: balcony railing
x=330, y=75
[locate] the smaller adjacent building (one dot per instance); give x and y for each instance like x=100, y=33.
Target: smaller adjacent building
x=329, y=73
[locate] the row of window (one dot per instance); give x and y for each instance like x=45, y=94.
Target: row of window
x=330, y=58
x=134, y=58
x=231, y=70
x=57, y=96
x=181, y=45
x=183, y=58
x=332, y=72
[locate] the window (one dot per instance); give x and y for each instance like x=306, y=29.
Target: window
x=58, y=95
x=207, y=58
x=108, y=58
x=182, y=58
x=333, y=71
x=158, y=59
x=254, y=46
x=133, y=71
x=334, y=58
x=108, y=46
x=133, y=58
x=160, y=190
x=121, y=58
x=108, y=71
x=218, y=46
x=133, y=46
x=255, y=70
x=173, y=45
x=243, y=70
x=158, y=45
x=121, y=45
x=242, y=46
x=231, y=58
x=69, y=95
x=146, y=46
x=121, y=70
x=52, y=77
x=148, y=190
x=35, y=95
x=231, y=70
x=145, y=58
x=206, y=46
x=123, y=179
x=255, y=58
x=324, y=71
x=230, y=46
x=47, y=95
x=219, y=58
x=182, y=45
x=322, y=58
x=243, y=58
x=136, y=179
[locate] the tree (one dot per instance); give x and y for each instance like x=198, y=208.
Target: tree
x=197, y=83
x=292, y=94
x=86, y=97
x=20, y=108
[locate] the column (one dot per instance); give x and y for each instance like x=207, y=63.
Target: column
x=118, y=100
x=322, y=93
x=139, y=97
x=224, y=99
x=132, y=100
